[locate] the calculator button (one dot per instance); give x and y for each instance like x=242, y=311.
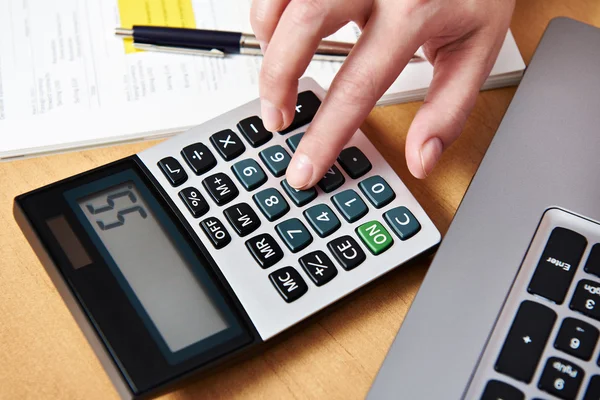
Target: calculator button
x=332, y=180
x=403, y=222
x=322, y=219
x=347, y=252
x=350, y=205
x=375, y=237
x=496, y=390
x=593, y=389
x=306, y=107
x=228, y=144
x=592, y=265
x=265, y=250
x=294, y=141
x=577, y=338
x=318, y=267
x=271, y=203
x=276, y=159
x=249, y=173
x=288, y=283
x=557, y=265
x=216, y=232
x=173, y=171
x=199, y=158
x=194, y=201
x=525, y=341
x=377, y=190
x=221, y=188
x=299, y=197
x=243, y=218
x=561, y=378
x=586, y=299
x=354, y=162
x=254, y=131
x=294, y=234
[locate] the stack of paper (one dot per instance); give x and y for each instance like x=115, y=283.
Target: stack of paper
x=66, y=82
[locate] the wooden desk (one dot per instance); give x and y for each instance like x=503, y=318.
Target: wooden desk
x=44, y=355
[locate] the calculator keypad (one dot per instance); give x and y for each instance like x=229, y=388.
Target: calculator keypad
x=288, y=283
x=271, y=203
x=249, y=173
x=173, y=171
x=377, y=190
x=319, y=267
x=221, y=188
x=194, y=201
x=322, y=219
x=270, y=240
x=276, y=159
x=347, y=252
x=299, y=197
x=216, y=232
x=265, y=250
x=242, y=218
x=350, y=205
x=199, y=158
x=254, y=131
x=294, y=234
x=228, y=144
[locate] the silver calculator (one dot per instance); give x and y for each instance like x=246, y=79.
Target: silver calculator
x=196, y=250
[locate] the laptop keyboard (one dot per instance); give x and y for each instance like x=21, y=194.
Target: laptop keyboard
x=545, y=342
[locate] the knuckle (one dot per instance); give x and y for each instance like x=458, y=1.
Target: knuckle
x=354, y=88
x=272, y=74
x=307, y=11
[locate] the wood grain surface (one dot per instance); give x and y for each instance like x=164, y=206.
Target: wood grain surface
x=43, y=354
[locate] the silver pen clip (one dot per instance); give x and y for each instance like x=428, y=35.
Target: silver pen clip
x=179, y=50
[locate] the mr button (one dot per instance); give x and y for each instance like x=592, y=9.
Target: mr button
x=347, y=252
x=288, y=283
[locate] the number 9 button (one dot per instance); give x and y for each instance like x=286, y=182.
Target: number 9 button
x=249, y=173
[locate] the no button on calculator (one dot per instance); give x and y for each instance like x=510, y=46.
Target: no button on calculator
x=197, y=249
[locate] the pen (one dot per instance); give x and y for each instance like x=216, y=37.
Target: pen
x=216, y=43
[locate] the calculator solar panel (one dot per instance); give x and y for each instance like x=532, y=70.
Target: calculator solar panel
x=510, y=307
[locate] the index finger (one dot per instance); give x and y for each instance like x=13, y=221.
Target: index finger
x=264, y=16
x=367, y=72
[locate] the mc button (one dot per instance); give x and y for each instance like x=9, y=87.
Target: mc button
x=347, y=252
x=288, y=283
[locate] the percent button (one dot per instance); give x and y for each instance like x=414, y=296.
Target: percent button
x=194, y=201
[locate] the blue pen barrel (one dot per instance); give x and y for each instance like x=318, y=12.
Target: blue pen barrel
x=228, y=42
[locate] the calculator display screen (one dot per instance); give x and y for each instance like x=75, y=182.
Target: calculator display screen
x=178, y=301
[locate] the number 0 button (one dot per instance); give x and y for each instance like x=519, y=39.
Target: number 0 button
x=276, y=159
x=271, y=203
x=294, y=234
x=377, y=190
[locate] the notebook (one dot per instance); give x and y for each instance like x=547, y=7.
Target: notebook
x=67, y=83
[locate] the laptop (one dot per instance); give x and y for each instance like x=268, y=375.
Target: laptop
x=510, y=307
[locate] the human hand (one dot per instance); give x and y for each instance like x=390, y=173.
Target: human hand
x=461, y=38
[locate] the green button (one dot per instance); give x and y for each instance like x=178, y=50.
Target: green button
x=375, y=236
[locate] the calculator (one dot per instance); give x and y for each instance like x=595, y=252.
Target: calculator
x=197, y=250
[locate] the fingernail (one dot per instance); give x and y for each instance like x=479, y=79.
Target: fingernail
x=431, y=152
x=300, y=171
x=271, y=116
x=263, y=46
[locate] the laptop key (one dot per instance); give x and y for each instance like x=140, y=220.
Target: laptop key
x=557, y=265
x=593, y=389
x=586, y=299
x=525, y=341
x=496, y=390
x=561, y=378
x=577, y=338
x=592, y=265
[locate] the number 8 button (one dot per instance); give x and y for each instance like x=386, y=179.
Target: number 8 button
x=271, y=203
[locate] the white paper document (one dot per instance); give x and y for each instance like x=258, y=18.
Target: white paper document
x=67, y=82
